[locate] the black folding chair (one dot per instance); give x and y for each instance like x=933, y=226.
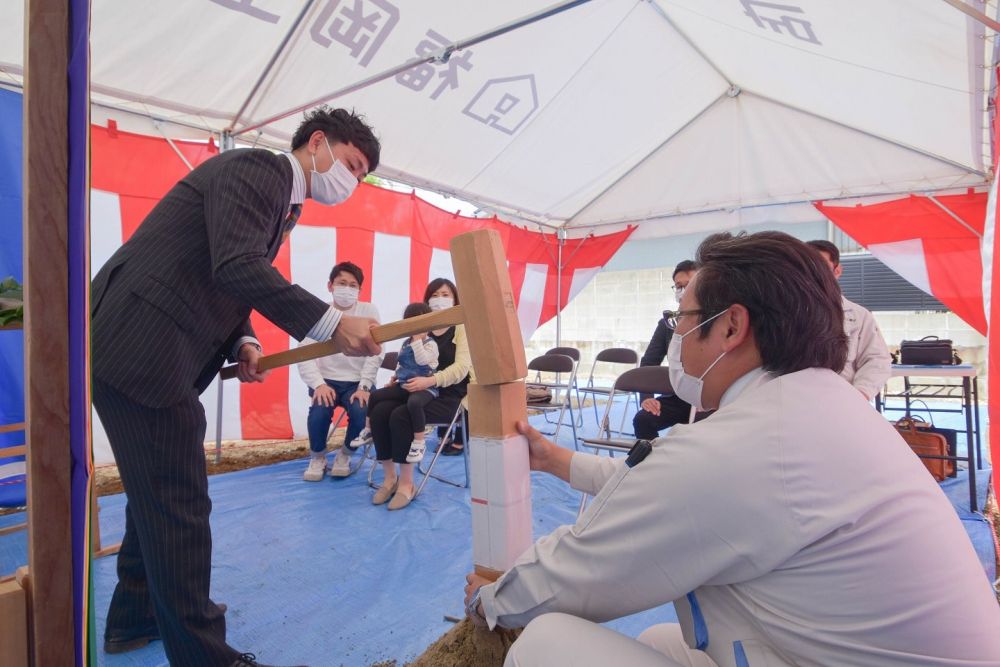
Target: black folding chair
x=555, y=365
x=612, y=355
x=574, y=354
x=644, y=380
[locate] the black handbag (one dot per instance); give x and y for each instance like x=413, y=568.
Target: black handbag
x=928, y=351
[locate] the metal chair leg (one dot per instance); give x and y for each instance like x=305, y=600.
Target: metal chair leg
x=428, y=473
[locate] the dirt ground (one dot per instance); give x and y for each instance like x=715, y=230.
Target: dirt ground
x=236, y=455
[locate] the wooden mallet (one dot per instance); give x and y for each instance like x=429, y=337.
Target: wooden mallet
x=500, y=480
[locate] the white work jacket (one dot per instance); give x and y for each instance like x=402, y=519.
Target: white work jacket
x=868, y=361
x=792, y=527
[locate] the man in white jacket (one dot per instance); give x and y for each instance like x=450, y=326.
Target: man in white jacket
x=339, y=380
x=868, y=360
x=792, y=527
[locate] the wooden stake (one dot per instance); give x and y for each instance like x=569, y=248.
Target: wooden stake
x=46, y=325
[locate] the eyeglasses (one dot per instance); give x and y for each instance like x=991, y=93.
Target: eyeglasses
x=671, y=317
x=679, y=290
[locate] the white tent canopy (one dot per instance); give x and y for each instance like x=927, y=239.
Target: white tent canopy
x=680, y=115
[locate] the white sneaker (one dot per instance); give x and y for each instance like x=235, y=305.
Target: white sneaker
x=416, y=454
x=341, y=463
x=364, y=438
x=316, y=469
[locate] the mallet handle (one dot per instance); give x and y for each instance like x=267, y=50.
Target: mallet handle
x=440, y=319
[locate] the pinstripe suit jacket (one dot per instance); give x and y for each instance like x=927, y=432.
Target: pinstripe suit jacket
x=170, y=304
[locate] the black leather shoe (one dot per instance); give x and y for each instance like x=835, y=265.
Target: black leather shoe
x=124, y=641
x=250, y=660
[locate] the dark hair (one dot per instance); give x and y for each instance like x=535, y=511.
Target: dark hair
x=416, y=308
x=348, y=267
x=794, y=302
x=437, y=284
x=827, y=247
x=340, y=126
x=684, y=267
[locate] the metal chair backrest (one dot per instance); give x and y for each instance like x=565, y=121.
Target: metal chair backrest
x=552, y=363
x=618, y=355
x=612, y=355
x=390, y=360
x=645, y=380
x=570, y=352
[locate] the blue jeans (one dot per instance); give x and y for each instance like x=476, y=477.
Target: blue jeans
x=318, y=423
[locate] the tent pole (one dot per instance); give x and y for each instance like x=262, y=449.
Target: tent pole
x=226, y=141
x=270, y=63
x=975, y=14
x=440, y=56
x=561, y=236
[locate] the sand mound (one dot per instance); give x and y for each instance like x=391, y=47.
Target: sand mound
x=466, y=645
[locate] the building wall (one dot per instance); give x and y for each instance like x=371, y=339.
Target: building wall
x=621, y=306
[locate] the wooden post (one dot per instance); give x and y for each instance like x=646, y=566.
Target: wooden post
x=46, y=310
x=500, y=479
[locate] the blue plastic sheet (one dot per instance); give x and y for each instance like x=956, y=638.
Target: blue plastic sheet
x=313, y=573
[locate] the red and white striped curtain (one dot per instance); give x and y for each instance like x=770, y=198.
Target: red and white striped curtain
x=399, y=240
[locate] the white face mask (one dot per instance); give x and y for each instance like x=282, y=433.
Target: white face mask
x=345, y=297
x=334, y=185
x=440, y=302
x=687, y=387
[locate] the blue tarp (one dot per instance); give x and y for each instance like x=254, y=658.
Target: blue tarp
x=11, y=342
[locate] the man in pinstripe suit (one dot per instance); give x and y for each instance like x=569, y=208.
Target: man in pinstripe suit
x=168, y=308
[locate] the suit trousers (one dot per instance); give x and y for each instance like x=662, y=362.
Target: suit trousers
x=165, y=561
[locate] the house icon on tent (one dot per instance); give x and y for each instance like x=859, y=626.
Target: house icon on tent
x=505, y=104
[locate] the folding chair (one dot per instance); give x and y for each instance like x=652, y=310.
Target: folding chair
x=612, y=355
x=574, y=354
x=562, y=397
x=644, y=380
x=389, y=364
x=460, y=414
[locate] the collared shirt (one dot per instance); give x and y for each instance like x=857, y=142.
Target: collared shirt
x=869, y=364
x=323, y=329
x=298, y=182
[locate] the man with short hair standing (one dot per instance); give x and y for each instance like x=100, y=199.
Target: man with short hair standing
x=868, y=364
x=167, y=310
x=339, y=380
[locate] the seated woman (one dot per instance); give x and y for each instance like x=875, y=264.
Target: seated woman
x=391, y=423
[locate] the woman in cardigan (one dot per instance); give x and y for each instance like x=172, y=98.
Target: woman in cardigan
x=391, y=426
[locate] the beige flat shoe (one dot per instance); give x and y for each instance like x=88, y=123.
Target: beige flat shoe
x=383, y=493
x=400, y=500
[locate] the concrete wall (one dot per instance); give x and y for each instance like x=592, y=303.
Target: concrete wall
x=621, y=306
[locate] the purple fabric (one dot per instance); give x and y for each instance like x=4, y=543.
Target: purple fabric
x=78, y=120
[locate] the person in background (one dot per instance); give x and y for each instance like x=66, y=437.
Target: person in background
x=338, y=380
x=665, y=410
x=392, y=426
x=868, y=363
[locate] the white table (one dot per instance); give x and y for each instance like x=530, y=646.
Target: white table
x=931, y=384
